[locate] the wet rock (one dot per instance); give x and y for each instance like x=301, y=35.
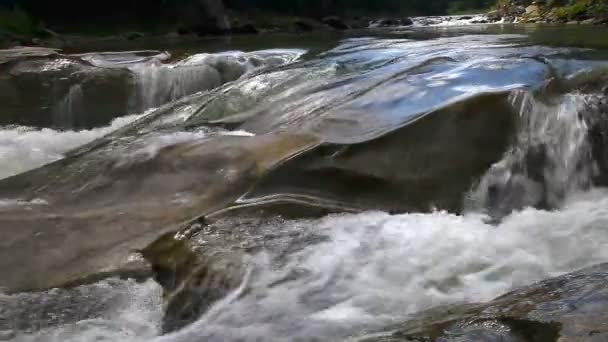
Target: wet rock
x=335, y=23
x=588, y=22
x=388, y=22
x=566, y=308
x=247, y=28
x=208, y=258
x=192, y=282
x=24, y=52
x=133, y=35
x=102, y=208
x=466, y=17
x=407, y=22
x=31, y=312
x=204, y=17
x=382, y=173
x=533, y=11
x=302, y=25
x=60, y=91
x=494, y=16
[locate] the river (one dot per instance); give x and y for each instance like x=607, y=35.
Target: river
x=327, y=185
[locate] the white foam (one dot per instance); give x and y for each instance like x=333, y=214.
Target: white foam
x=25, y=148
x=133, y=311
x=159, y=83
x=378, y=268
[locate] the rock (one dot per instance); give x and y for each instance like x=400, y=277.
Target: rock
x=588, y=22
x=372, y=164
x=21, y=53
x=600, y=20
x=479, y=22
x=193, y=282
x=50, y=89
x=302, y=25
x=407, y=22
x=335, y=23
x=572, y=22
x=466, y=17
x=566, y=308
x=533, y=11
x=204, y=17
x=388, y=22
x=247, y=28
x=6, y=335
x=494, y=16
x=133, y=35
x=103, y=207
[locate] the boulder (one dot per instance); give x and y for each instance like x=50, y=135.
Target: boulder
x=407, y=22
x=303, y=26
x=335, y=23
x=588, y=22
x=247, y=28
x=533, y=11
x=204, y=17
x=40, y=87
x=133, y=35
x=566, y=308
x=388, y=22
x=494, y=16
x=100, y=208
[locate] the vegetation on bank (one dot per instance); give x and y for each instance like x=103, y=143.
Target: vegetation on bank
x=32, y=18
x=582, y=8
x=16, y=21
x=70, y=15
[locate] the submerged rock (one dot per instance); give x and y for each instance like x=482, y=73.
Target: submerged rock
x=566, y=308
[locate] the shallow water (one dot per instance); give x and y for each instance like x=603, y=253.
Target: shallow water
x=399, y=105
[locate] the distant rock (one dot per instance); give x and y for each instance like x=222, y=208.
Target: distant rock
x=335, y=22
x=533, y=11
x=388, y=22
x=588, y=21
x=247, y=28
x=303, y=26
x=19, y=53
x=494, y=16
x=407, y=22
x=133, y=35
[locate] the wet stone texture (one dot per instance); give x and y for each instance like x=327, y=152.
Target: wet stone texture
x=569, y=308
x=60, y=91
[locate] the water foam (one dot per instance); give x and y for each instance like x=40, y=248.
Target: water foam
x=550, y=160
x=26, y=148
x=376, y=269
x=159, y=83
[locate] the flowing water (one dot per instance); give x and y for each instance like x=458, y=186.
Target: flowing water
x=469, y=161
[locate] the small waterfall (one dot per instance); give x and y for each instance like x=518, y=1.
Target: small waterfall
x=551, y=157
x=66, y=111
x=158, y=83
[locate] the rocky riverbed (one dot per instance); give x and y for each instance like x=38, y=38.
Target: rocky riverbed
x=427, y=184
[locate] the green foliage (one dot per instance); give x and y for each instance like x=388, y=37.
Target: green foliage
x=16, y=21
x=577, y=8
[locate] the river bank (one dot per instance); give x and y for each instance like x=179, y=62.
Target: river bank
x=590, y=12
